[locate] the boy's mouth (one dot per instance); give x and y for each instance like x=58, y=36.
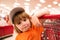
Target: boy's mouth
x=26, y=26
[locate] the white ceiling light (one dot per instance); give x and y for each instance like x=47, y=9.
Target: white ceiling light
x=54, y=2
x=39, y=5
x=59, y=4
x=45, y=8
x=54, y=11
x=36, y=7
x=27, y=0
x=8, y=8
x=49, y=6
x=3, y=15
x=42, y=1
x=26, y=4
x=16, y=4
x=4, y=9
x=27, y=9
x=2, y=5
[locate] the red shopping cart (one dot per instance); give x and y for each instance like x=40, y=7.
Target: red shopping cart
x=6, y=31
x=51, y=26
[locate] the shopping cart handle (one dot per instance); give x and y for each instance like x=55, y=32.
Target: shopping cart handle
x=50, y=16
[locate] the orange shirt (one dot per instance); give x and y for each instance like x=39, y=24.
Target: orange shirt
x=33, y=33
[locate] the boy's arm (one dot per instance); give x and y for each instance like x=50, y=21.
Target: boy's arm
x=41, y=13
x=37, y=21
x=37, y=24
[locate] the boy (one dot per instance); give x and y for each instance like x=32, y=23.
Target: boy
x=28, y=28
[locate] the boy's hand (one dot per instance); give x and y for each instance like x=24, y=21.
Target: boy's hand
x=36, y=21
x=41, y=13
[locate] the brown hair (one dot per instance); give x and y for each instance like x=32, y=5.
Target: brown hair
x=19, y=16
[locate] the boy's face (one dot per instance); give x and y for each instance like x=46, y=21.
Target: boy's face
x=23, y=25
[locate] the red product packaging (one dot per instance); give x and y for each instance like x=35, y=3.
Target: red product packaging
x=52, y=27
x=6, y=31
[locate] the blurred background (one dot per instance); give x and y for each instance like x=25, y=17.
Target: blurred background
x=30, y=6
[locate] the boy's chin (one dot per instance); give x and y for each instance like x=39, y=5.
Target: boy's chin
x=25, y=30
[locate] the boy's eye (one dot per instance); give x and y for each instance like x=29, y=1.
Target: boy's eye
x=19, y=23
x=24, y=20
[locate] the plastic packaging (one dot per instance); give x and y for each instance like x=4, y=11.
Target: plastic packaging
x=51, y=26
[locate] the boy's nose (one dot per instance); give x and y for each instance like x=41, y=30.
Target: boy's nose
x=24, y=24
